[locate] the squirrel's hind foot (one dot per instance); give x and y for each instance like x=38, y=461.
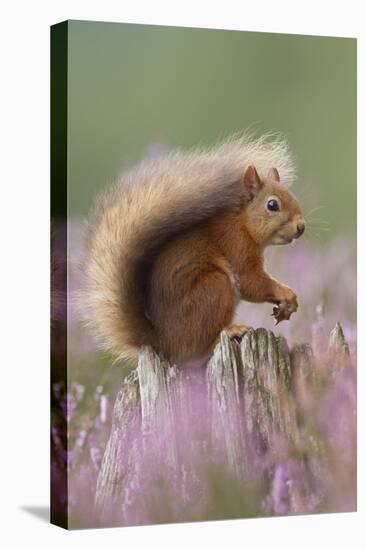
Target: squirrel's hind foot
x=236, y=332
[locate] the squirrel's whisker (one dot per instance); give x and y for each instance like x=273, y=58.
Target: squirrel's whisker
x=315, y=209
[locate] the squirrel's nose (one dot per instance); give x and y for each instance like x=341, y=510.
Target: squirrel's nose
x=300, y=229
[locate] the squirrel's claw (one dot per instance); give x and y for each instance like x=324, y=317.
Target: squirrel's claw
x=278, y=314
x=283, y=311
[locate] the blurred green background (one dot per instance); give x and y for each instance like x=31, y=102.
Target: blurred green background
x=133, y=86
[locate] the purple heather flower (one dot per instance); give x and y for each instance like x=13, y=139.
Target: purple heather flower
x=315, y=474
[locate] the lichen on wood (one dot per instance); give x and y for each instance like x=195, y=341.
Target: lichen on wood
x=245, y=397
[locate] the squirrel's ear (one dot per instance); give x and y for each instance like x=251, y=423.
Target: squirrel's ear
x=252, y=182
x=274, y=175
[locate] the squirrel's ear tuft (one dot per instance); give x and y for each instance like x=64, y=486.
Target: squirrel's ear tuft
x=274, y=175
x=252, y=182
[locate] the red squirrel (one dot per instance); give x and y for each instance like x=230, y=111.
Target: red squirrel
x=179, y=241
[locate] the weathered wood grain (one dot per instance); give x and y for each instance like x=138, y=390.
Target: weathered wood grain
x=245, y=398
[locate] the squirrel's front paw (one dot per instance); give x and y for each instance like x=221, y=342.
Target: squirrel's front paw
x=286, y=306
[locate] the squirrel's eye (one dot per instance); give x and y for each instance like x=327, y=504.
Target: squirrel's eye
x=273, y=205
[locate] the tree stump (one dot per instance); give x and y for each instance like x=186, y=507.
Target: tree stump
x=230, y=412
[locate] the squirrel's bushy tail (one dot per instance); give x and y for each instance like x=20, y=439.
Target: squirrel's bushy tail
x=153, y=202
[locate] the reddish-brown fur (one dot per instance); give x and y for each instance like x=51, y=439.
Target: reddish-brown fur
x=179, y=241
x=192, y=292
